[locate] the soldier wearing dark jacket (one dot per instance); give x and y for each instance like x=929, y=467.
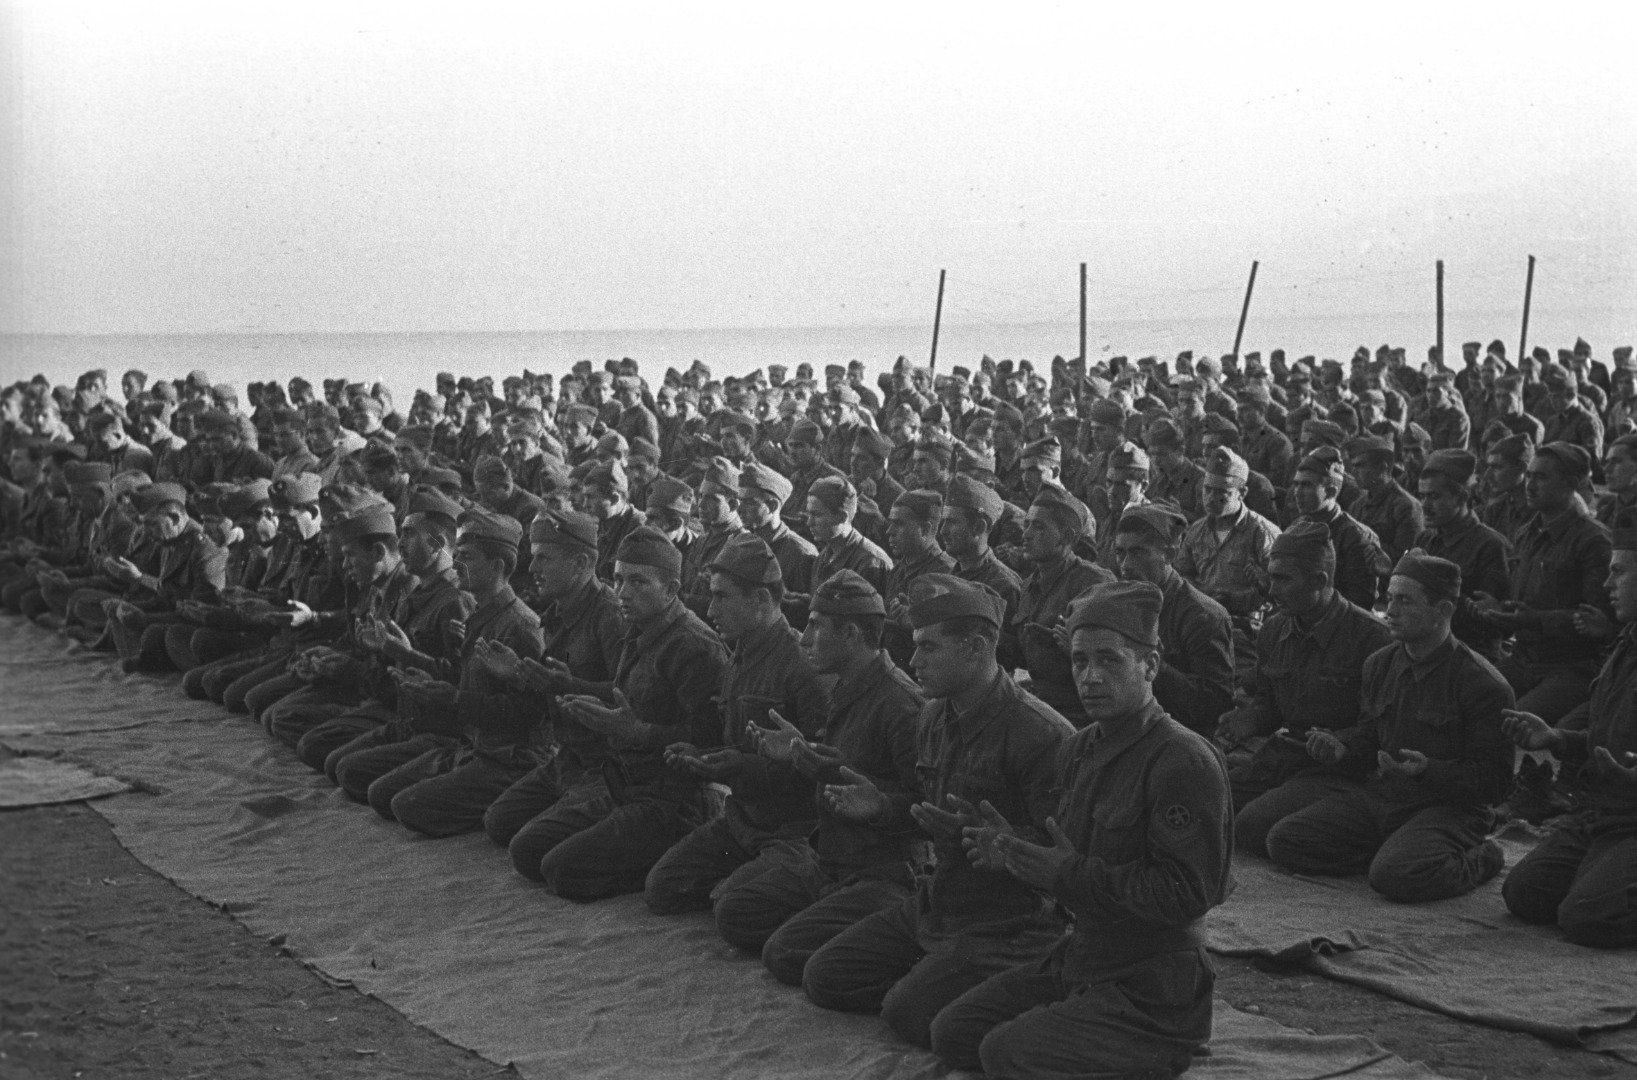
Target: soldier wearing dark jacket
x=664, y=692
x=804, y=894
x=762, y=495
x=769, y=805
x=831, y=505
x=1195, y=680
x=983, y=739
x=1137, y=853
x=1454, y=532
x=1309, y=673
x=1560, y=563
x=971, y=511
x=445, y=791
x=1360, y=562
x=1582, y=876
x=1419, y=769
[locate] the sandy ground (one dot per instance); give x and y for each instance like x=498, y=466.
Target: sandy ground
x=109, y=970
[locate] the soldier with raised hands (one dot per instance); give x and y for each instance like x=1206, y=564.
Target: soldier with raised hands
x=850, y=866
x=981, y=738
x=1137, y=851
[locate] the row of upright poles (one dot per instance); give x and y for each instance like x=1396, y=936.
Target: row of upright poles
x=1244, y=311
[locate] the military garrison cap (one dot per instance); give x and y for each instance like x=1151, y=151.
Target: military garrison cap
x=1440, y=577
x=1456, y=466
x=647, y=546
x=966, y=493
x=669, y=493
x=1515, y=448
x=760, y=479
x=747, y=558
x=479, y=524
x=1158, y=520
x=935, y=598
x=847, y=593
x=374, y=520
x=564, y=528
x=1307, y=542
x=1129, y=608
x=836, y=492
x=1574, y=460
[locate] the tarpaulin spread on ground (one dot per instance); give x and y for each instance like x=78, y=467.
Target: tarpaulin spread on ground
x=445, y=931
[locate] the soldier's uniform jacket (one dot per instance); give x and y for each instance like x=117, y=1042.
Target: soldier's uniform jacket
x=872, y=723
x=1360, y=561
x=899, y=640
x=1446, y=706
x=769, y=671
x=191, y=567
x=857, y=553
x=247, y=561
x=1560, y=564
x=1222, y=567
x=998, y=576
x=1611, y=722
x=1029, y=643
x=670, y=671
x=496, y=721
x=1449, y=427
x=1506, y=512
x=796, y=554
x=1394, y=515
x=586, y=632
x=1004, y=751
x=1482, y=555
x=1267, y=451
x=1195, y=681
x=1576, y=424
x=1147, y=809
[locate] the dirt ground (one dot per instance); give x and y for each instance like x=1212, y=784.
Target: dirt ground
x=109, y=970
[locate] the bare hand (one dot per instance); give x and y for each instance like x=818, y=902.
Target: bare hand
x=715, y=766
x=1409, y=764
x=980, y=841
x=498, y=659
x=1324, y=747
x=945, y=825
x=1591, y=622
x=777, y=743
x=618, y=721
x=1614, y=768
x=548, y=674
x=1530, y=731
x=856, y=800
x=1034, y=864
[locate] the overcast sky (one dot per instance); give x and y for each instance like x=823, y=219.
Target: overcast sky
x=170, y=168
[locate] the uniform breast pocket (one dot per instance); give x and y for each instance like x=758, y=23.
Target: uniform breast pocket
x=744, y=709
x=1333, y=699
x=1119, y=831
x=1436, y=732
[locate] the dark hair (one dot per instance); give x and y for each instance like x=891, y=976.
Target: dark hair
x=870, y=627
x=967, y=627
x=745, y=585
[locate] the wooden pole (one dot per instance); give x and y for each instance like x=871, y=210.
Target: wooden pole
x=1528, y=295
x=937, y=321
x=1442, y=363
x=1082, y=313
x=1250, y=285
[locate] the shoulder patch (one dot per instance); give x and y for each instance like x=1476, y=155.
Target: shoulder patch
x=1178, y=816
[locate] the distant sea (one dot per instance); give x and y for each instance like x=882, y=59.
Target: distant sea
x=406, y=361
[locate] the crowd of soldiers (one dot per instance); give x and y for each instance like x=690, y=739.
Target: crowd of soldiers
x=949, y=697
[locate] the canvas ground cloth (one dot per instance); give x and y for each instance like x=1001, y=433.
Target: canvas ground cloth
x=445, y=932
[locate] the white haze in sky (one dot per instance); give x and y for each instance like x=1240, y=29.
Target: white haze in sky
x=228, y=168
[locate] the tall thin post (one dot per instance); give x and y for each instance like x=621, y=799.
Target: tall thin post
x=937, y=321
x=1239, y=335
x=1441, y=362
x=1528, y=295
x=1082, y=312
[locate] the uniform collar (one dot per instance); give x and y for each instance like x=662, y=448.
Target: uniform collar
x=864, y=684
x=1109, y=743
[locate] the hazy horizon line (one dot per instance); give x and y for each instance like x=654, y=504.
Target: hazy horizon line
x=861, y=325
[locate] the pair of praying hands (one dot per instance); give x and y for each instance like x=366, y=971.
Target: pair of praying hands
x=784, y=742
x=420, y=688
x=618, y=721
x=992, y=843
x=1323, y=746
x=1530, y=732
x=547, y=675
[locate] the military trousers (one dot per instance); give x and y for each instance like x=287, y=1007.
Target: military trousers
x=1145, y=1019
x=1412, y=854
x=593, y=845
x=886, y=963
x=1583, y=877
x=715, y=857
